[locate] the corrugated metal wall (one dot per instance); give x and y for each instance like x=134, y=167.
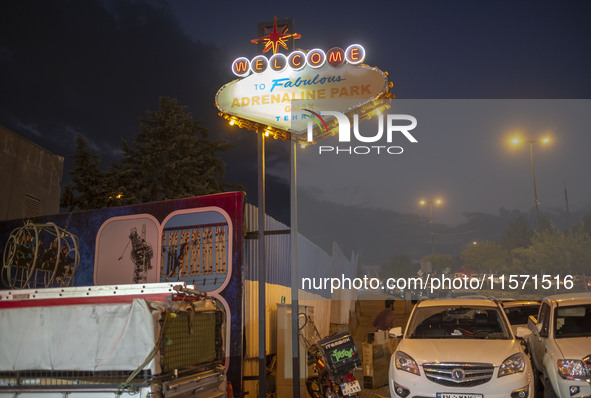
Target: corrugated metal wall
x=313, y=262
x=343, y=300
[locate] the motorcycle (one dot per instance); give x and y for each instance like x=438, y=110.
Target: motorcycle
x=333, y=359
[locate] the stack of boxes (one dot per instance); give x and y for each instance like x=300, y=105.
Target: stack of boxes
x=376, y=359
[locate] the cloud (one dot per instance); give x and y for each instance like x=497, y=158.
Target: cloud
x=30, y=128
x=85, y=67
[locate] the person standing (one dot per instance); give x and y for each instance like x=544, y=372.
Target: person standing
x=385, y=319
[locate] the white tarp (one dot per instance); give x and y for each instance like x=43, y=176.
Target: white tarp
x=90, y=337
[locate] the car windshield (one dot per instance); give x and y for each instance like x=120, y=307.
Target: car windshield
x=458, y=322
x=520, y=315
x=572, y=321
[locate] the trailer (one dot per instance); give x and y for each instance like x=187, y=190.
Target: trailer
x=196, y=241
x=142, y=340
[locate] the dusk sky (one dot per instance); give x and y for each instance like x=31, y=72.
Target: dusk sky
x=94, y=67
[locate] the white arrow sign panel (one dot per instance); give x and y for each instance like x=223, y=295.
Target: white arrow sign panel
x=266, y=97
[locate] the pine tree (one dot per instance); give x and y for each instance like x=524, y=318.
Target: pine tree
x=170, y=158
x=90, y=184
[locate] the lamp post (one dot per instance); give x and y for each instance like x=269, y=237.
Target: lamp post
x=430, y=203
x=545, y=140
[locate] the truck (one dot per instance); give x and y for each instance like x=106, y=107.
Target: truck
x=560, y=345
x=160, y=340
x=64, y=314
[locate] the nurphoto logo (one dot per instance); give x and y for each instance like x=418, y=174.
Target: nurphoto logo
x=395, y=124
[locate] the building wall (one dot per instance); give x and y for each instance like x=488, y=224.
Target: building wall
x=313, y=261
x=328, y=310
x=30, y=178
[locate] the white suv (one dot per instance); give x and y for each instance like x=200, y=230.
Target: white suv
x=460, y=348
x=560, y=345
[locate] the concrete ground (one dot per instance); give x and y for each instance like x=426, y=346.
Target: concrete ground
x=379, y=393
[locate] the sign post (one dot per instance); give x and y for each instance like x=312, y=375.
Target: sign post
x=294, y=263
x=262, y=270
x=282, y=96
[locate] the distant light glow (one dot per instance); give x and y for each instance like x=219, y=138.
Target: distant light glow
x=437, y=201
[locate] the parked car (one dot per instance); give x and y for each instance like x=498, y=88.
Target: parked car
x=560, y=345
x=460, y=348
x=519, y=311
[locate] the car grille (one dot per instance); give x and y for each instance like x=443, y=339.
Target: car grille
x=459, y=374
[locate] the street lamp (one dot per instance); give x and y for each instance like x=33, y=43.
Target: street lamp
x=430, y=203
x=544, y=140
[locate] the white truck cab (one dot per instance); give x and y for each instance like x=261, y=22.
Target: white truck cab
x=159, y=340
x=560, y=345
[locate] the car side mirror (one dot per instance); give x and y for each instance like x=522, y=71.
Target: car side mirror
x=522, y=333
x=532, y=321
x=395, y=332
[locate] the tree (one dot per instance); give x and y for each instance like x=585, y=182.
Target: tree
x=170, y=158
x=545, y=224
x=90, y=184
x=517, y=234
x=485, y=257
x=441, y=263
x=399, y=265
x=553, y=252
x=585, y=225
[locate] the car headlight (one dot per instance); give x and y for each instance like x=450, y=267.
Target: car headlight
x=405, y=362
x=514, y=364
x=571, y=369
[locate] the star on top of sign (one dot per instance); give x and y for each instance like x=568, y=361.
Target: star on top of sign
x=276, y=38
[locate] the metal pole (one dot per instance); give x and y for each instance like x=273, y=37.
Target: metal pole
x=568, y=226
x=431, y=227
x=262, y=268
x=295, y=347
x=533, y=175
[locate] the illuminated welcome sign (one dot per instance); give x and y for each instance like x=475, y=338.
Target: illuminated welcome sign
x=261, y=99
x=354, y=55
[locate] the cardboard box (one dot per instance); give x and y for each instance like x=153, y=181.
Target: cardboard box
x=377, y=337
x=376, y=362
x=380, y=336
